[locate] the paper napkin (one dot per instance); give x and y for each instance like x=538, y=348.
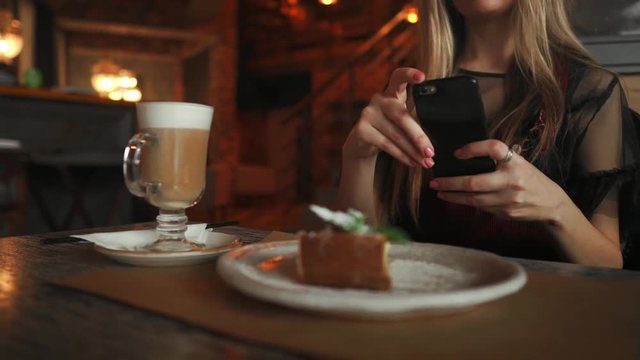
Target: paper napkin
x=137, y=239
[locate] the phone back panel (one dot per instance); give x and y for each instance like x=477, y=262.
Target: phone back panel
x=452, y=114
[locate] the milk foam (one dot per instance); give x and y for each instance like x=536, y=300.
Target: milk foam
x=174, y=115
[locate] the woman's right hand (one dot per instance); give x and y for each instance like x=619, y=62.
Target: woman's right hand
x=386, y=124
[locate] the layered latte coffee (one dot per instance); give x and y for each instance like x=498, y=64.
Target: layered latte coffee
x=165, y=162
x=176, y=161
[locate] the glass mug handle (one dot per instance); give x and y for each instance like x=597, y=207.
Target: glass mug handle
x=131, y=165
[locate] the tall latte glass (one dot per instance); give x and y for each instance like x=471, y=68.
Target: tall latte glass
x=165, y=162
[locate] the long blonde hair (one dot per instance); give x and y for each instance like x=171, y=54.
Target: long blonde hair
x=543, y=37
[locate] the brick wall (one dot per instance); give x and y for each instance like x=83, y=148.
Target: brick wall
x=224, y=141
x=223, y=68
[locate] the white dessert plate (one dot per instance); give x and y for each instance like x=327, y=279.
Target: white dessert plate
x=427, y=278
x=215, y=245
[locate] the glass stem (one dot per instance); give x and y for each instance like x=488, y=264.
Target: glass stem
x=171, y=225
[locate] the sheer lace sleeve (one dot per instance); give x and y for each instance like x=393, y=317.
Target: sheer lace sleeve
x=605, y=173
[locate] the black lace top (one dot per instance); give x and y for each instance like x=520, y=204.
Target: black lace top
x=596, y=160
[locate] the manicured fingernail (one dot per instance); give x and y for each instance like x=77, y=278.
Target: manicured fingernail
x=429, y=153
x=433, y=184
x=428, y=162
x=417, y=77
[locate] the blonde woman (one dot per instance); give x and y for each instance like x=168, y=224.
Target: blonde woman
x=558, y=199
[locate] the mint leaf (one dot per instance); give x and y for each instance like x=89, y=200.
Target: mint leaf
x=394, y=235
x=356, y=222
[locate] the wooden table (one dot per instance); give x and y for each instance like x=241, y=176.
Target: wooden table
x=38, y=320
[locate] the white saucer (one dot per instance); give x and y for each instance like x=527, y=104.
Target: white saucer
x=216, y=244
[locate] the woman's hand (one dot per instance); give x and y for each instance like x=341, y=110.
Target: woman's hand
x=385, y=124
x=516, y=190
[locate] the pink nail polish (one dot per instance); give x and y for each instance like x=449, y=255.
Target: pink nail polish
x=428, y=163
x=417, y=76
x=433, y=184
x=428, y=152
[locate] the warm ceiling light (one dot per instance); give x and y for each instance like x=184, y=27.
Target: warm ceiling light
x=11, y=41
x=132, y=95
x=104, y=77
x=117, y=84
x=294, y=10
x=115, y=95
x=126, y=79
x=412, y=14
x=328, y=2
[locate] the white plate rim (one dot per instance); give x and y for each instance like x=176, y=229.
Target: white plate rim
x=377, y=304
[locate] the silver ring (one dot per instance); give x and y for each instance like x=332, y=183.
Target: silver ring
x=506, y=158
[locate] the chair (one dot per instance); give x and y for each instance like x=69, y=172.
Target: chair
x=75, y=173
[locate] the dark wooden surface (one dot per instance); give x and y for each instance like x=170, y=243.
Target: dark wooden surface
x=38, y=320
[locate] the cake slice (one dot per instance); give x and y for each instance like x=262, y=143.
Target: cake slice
x=349, y=254
x=344, y=259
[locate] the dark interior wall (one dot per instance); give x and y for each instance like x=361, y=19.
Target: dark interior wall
x=44, y=49
x=265, y=31
x=604, y=18
x=272, y=92
x=195, y=74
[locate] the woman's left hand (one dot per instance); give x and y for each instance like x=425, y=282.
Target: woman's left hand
x=516, y=190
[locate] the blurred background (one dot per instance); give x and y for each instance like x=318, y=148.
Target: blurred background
x=287, y=78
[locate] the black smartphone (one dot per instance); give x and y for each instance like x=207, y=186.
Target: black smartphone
x=451, y=112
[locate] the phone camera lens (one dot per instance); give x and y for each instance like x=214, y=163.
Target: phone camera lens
x=428, y=90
